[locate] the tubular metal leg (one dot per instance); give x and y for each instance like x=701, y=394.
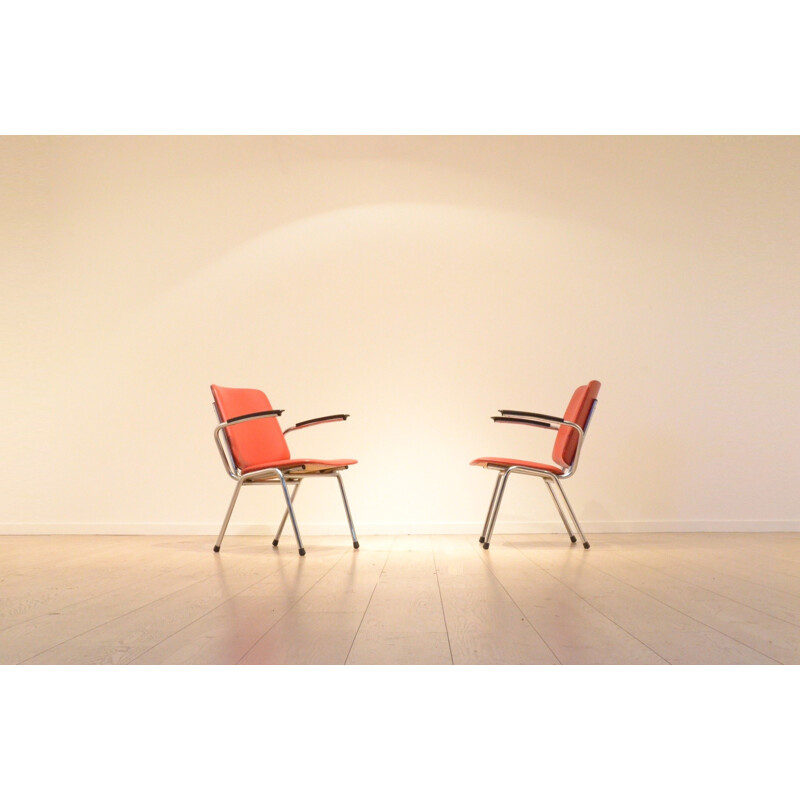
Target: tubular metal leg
x=291, y=514
x=228, y=515
x=560, y=512
x=285, y=515
x=571, y=512
x=502, y=488
x=491, y=507
x=347, y=511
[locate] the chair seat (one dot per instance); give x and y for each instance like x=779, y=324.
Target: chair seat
x=512, y=462
x=302, y=464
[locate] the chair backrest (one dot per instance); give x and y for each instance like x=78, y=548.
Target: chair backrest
x=259, y=441
x=579, y=411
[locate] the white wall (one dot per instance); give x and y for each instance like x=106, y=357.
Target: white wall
x=418, y=284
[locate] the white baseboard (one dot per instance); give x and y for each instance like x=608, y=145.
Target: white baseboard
x=400, y=528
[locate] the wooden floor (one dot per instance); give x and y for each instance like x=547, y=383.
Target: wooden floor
x=533, y=599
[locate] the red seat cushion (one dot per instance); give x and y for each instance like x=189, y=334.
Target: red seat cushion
x=512, y=462
x=289, y=463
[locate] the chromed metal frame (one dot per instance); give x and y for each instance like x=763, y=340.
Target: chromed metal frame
x=272, y=476
x=552, y=481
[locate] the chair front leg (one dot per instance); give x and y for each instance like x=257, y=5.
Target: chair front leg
x=347, y=511
x=228, y=515
x=501, y=488
x=290, y=509
x=571, y=513
x=491, y=508
x=285, y=515
x=547, y=482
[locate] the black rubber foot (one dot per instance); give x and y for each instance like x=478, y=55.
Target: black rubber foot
x=486, y=545
x=355, y=545
x=573, y=539
x=586, y=545
x=216, y=548
x=274, y=542
x=302, y=551
x=482, y=539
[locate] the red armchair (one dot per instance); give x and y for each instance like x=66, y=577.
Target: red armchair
x=571, y=432
x=254, y=451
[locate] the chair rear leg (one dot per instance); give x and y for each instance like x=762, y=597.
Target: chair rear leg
x=292, y=516
x=491, y=508
x=228, y=516
x=347, y=511
x=501, y=489
x=285, y=515
x=571, y=513
x=560, y=512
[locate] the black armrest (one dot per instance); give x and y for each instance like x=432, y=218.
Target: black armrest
x=530, y=414
x=518, y=421
x=307, y=423
x=274, y=413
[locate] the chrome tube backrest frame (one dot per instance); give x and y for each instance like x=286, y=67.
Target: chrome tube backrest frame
x=224, y=452
x=581, y=437
x=571, y=468
x=224, y=448
x=550, y=423
x=554, y=424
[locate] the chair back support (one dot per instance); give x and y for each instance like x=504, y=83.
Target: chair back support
x=579, y=411
x=258, y=441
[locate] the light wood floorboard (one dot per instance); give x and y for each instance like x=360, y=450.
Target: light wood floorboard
x=485, y=624
x=577, y=631
x=530, y=599
x=675, y=636
x=404, y=622
x=320, y=627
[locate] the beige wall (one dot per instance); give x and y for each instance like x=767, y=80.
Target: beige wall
x=418, y=284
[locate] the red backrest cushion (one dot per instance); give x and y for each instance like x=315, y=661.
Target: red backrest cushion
x=578, y=412
x=257, y=441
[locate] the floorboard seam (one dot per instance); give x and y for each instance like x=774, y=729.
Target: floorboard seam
x=441, y=600
x=372, y=594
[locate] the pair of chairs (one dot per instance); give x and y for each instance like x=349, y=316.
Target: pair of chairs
x=254, y=451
